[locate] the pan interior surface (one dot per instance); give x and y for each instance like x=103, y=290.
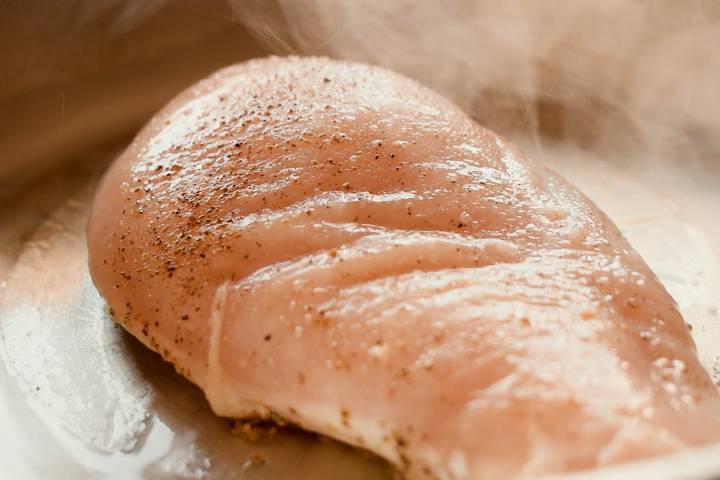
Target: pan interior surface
x=80, y=398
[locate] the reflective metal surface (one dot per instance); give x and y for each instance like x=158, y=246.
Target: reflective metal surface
x=79, y=398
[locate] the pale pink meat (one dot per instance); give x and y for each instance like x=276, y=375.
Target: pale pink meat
x=337, y=246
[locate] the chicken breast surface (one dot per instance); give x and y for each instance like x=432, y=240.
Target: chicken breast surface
x=336, y=246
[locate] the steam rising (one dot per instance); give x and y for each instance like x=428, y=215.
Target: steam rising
x=637, y=76
x=619, y=74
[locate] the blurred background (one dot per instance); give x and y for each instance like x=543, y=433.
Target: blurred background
x=620, y=96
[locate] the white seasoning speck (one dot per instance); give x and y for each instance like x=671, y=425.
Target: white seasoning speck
x=378, y=351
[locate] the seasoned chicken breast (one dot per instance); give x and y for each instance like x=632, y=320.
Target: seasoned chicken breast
x=333, y=245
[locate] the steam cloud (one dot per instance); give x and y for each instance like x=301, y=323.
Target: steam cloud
x=618, y=74
x=630, y=75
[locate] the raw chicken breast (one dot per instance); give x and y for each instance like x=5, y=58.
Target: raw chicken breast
x=335, y=246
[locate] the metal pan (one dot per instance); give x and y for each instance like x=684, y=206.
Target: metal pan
x=79, y=398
